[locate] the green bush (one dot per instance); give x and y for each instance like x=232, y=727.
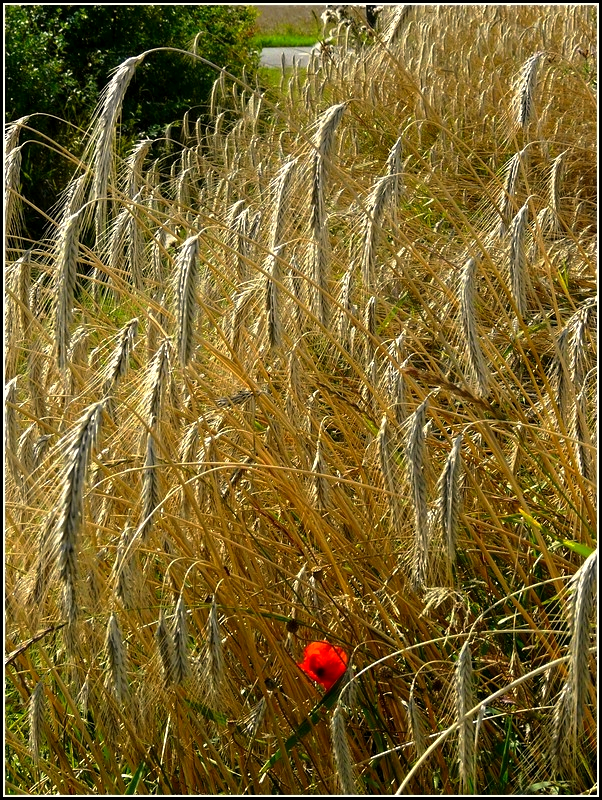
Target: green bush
x=58, y=59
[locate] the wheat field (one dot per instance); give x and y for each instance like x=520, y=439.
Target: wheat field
x=321, y=369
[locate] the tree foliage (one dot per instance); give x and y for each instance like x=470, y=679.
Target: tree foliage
x=59, y=58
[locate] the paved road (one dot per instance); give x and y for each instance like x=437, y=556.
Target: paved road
x=272, y=56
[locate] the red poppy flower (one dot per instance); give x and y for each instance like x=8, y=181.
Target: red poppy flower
x=324, y=663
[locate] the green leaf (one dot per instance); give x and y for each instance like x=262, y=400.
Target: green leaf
x=133, y=784
x=314, y=716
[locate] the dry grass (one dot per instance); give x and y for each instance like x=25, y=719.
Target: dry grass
x=323, y=370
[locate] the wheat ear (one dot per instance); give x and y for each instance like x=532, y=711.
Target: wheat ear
x=343, y=757
x=12, y=197
x=119, y=361
x=584, y=586
x=151, y=496
x=416, y=723
x=157, y=380
x=476, y=359
x=319, y=254
x=18, y=312
x=12, y=176
x=133, y=166
x=180, y=638
x=465, y=701
x=523, y=102
x=135, y=243
x=236, y=239
x=188, y=453
x=273, y=278
x=556, y=176
x=115, y=654
x=395, y=25
x=369, y=320
x=507, y=201
x=346, y=308
x=11, y=430
x=579, y=431
x=450, y=504
x=320, y=486
x=376, y=205
x=395, y=384
x=36, y=718
x=78, y=447
x=186, y=269
x=117, y=241
x=214, y=668
x=519, y=278
x=415, y=465
x=165, y=646
x=570, y=706
x=282, y=193
x=387, y=467
x=122, y=571
x=104, y=133
x=394, y=167
x=66, y=277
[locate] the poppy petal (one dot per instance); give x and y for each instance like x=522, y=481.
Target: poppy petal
x=324, y=663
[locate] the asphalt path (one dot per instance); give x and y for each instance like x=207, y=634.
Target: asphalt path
x=272, y=56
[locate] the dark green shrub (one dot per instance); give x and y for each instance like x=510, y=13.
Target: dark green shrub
x=59, y=58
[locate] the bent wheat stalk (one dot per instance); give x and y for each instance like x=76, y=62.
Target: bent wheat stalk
x=104, y=134
x=319, y=252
